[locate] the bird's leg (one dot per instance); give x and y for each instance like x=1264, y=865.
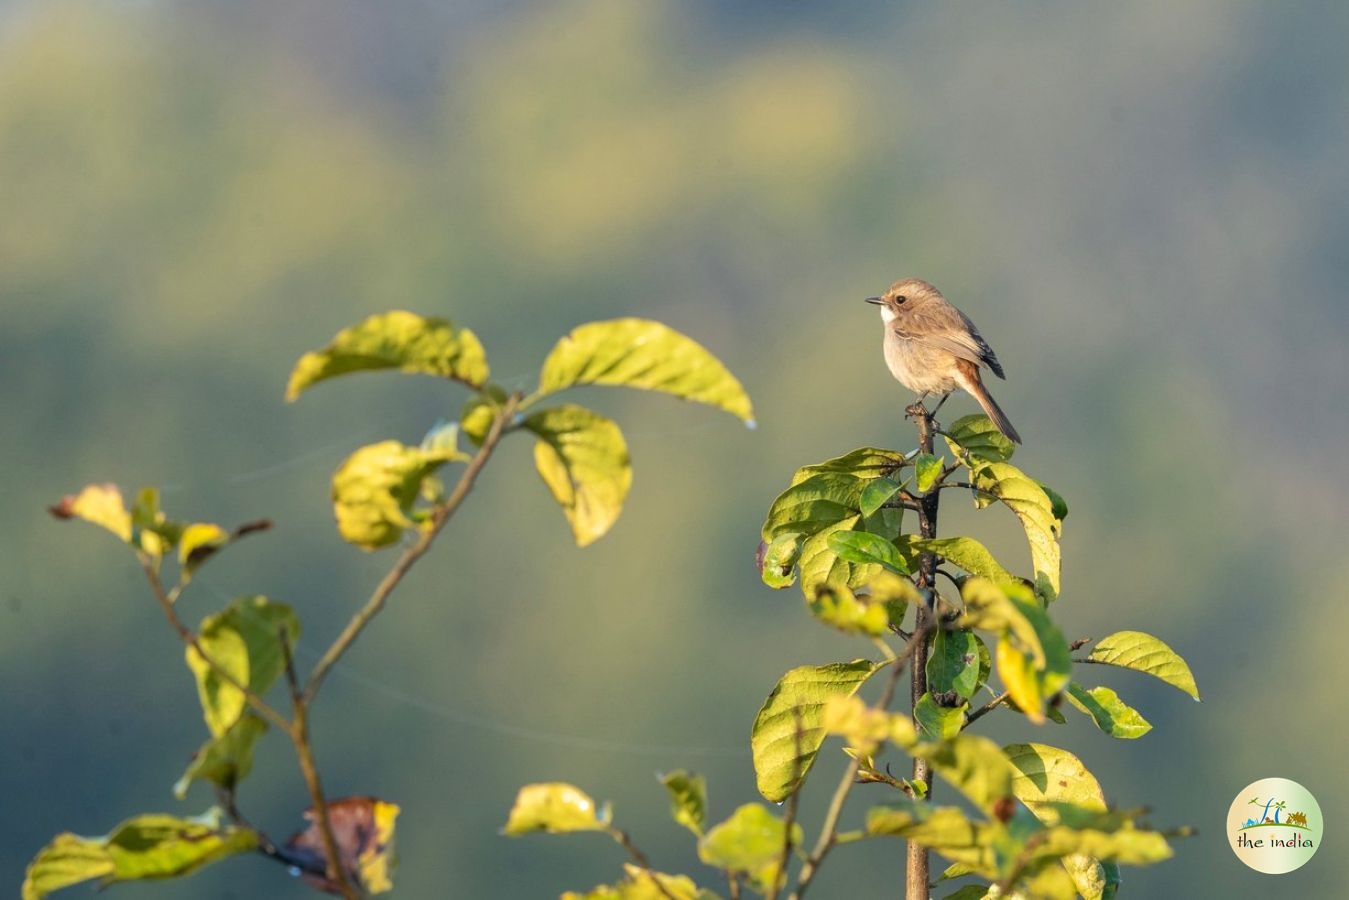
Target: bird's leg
x=933, y=415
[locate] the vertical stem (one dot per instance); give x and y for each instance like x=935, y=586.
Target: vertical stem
x=916, y=873
x=304, y=752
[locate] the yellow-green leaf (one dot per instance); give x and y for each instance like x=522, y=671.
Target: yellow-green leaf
x=750, y=841
x=97, y=504
x=640, y=353
x=645, y=884
x=225, y=760
x=67, y=860
x=1145, y=653
x=688, y=798
x=1034, y=508
x=582, y=458
x=836, y=605
x=375, y=488
x=863, y=727
x=945, y=829
x=927, y=469
x=245, y=641
x=777, y=560
x=968, y=554
x=1021, y=679
x=198, y=542
x=1048, y=775
x=395, y=340
x=555, y=807
x=863, y=464
x=973, y=765
x=788, y=730
x=148, y=846
x=1111, y=714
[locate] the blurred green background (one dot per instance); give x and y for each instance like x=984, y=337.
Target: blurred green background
x=1145, y=207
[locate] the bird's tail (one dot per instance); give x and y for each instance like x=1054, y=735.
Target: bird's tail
x=969, y=379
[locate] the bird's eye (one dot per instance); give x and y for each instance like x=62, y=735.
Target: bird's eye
x=900, y=298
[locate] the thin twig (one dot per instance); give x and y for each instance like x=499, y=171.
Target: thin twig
x=189, y=637
x=986, y=709
x=640, y=858
x=829, y=829
x=304, y=752
x=439, y=517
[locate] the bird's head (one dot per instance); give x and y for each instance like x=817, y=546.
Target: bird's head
x=905, y=292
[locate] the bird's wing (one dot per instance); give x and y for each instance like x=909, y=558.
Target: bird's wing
x=944, y=326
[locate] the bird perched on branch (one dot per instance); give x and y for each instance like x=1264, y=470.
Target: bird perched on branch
x=933, y=348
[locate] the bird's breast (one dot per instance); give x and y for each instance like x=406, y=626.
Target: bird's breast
x=920, y=367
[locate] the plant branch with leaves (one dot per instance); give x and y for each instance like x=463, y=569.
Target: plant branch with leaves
x=384, y=495
x=1040, y=827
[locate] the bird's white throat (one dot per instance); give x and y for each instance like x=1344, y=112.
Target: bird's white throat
x=887, y=315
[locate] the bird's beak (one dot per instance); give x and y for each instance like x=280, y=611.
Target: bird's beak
x=875, y=301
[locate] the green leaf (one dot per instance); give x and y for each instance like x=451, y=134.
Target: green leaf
x=787, y=732
x=395, y=340
x=97, y=504
x=148, y=846
x=954, y=663
x=582, y=458
x=813, y=504
x=750, y=841
x=1145, y=653
x=1111, y=714
x=927, y=469
x=374, y=491
x=556, y=808
x=225, y=760
x=1036, y=511
x=1058, y=504
x=640, y=353
x=939, y=722
x=968, y=554
x=980, y=439
x=245, y=641
x=645, y=884
x=973, y=765
x=836, y=605
x=688, y=798
x=876, y=494
x=865, y=548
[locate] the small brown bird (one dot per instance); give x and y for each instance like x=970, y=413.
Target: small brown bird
x=933, y=348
